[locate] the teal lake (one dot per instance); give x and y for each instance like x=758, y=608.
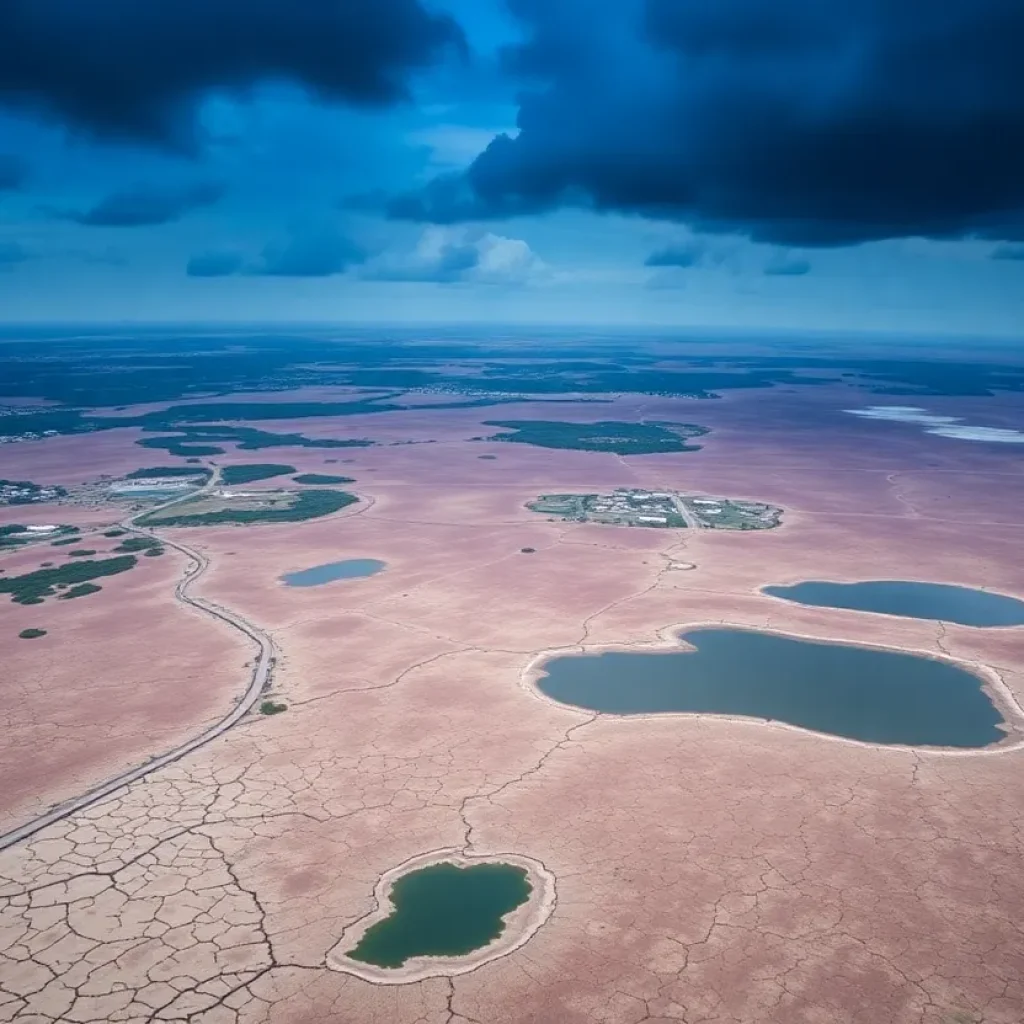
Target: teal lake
x=859, y=693
x=350, y=569
x=962, y=605
x=444, y=910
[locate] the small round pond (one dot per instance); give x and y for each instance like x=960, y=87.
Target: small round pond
x=861, y=693
x=442, y=914
x=350, y=569
x=444, y=910
x=912, y=600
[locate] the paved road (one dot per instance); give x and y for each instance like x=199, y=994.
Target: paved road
x=691, y=519
x=257, y=683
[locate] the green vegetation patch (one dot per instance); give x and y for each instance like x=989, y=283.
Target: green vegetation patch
x=81, y=553
x=444, y=910
x=175, y=446
x=269, y=707
x=114, y=533
x=234, y=475
x=33, y=587
x=32, y=634
x=310, y=504
x=604, y=436
x=11, y=536
x=196, y=440
x=155, y=472
x=63, y=542
x=321, y=479
x=135, y=544
x=79, y=590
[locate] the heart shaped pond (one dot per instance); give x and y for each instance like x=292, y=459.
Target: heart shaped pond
x=861, y=693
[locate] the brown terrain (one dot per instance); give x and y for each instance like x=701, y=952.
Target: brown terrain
x=707, y=871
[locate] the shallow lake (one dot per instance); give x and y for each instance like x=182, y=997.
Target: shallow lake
x=444, y=910
x=962, y=605
x=350, y=569
x=860, y=693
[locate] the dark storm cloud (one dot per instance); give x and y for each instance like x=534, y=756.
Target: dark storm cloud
x=13, y=172
x=214, y=264
x=1008, y=252
x=309, y=253
x=783, y=265
x=11, y=254
x=134, y=68
x=793, y=121
x=144, y=205
x=452, y=263
x=683, y=254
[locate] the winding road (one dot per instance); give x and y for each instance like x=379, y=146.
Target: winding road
x=258, y=681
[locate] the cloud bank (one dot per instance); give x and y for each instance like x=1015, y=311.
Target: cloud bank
x=13, y=172
x=214, y=264
x=136, y=68
x=794, y=122
x=11, y=254
x=308, y=251
x=144, y=205
x=941, y=426
x=451, y=256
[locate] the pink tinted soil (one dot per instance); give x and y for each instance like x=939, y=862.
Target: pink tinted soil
x=706, y=870
x=121, y=674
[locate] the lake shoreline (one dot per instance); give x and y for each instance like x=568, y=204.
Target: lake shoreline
x=669, y=640
x=520, y=925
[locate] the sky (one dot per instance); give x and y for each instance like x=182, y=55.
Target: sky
x=803, y=164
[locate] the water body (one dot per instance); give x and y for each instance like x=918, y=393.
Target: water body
x=444, y=910
x=961, y=605
x=350, y=569
x=859, y=693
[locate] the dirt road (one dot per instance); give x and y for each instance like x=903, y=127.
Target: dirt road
x=258, y=681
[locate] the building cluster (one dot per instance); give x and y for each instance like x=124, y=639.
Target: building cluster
x=644, y=508
x=636, y=507
x=22, y=493
x=28, y=435
x=725, y=514
x=623, y=507
x=153, y=485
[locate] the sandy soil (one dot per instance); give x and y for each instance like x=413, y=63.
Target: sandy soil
x=706, y=870
x=121, y=675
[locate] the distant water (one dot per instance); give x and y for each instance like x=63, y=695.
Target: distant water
x=444, y=910
x=962, y=605
x=859, y=693
x=350, y=569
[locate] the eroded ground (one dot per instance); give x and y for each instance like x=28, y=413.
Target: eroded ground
x=706, y=871
x=120, y=675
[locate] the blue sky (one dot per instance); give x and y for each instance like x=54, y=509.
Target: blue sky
x=776, y=163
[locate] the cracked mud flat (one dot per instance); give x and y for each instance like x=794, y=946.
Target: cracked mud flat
x=121, y=675
x=707, y=870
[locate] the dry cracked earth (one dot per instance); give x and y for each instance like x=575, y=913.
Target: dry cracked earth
x=708, y=871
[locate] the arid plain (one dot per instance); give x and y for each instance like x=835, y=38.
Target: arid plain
x=706, y=870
